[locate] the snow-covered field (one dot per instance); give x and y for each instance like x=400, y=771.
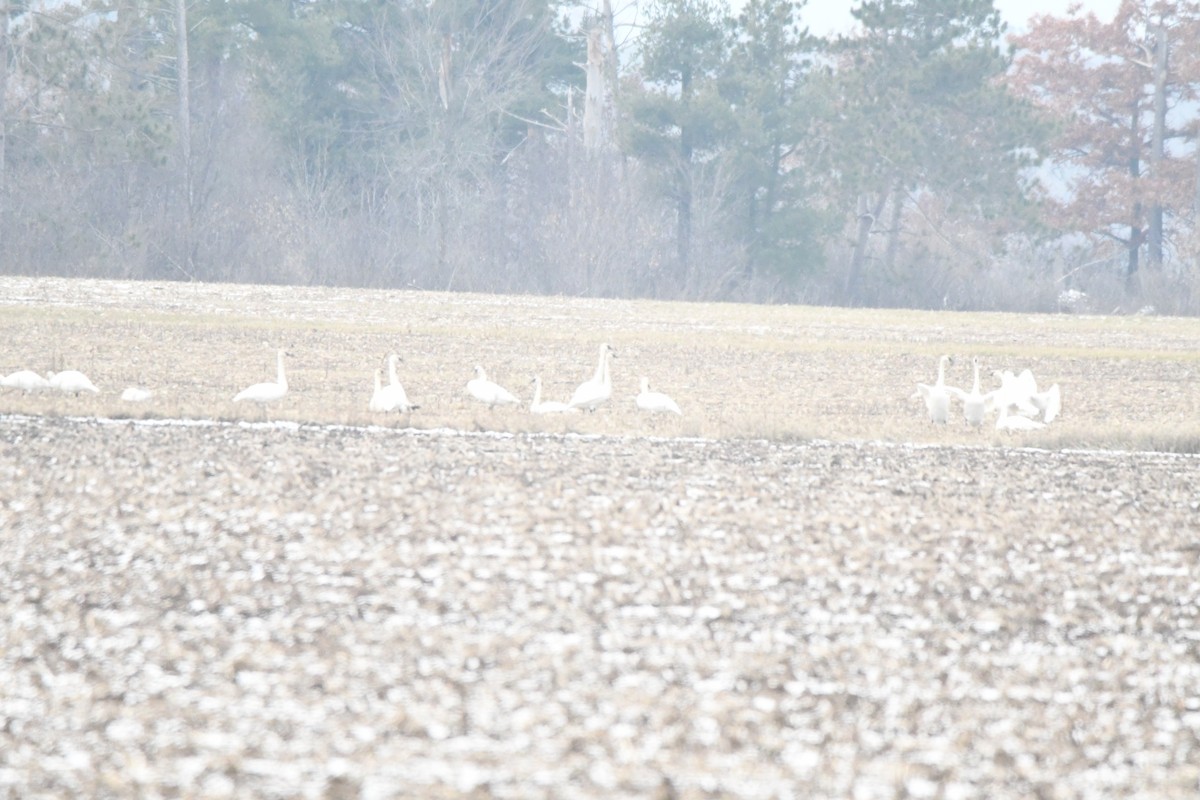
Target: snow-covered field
x=480, y=603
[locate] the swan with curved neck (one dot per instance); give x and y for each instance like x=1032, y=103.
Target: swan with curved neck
x=936, y=397
x=655, y=402
x=593, y=393
x=26, y=380
x=264, y=393
x=486, y=391
x=72, y=381
x=539, y=406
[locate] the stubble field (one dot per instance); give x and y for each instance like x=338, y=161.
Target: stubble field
x=800, y=588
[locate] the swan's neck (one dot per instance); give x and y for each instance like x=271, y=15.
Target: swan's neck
x=602, y=365
x=282, y=378
x=392, y=369
x=537, y=391
x=941, y=370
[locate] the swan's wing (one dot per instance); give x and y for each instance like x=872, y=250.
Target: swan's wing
x=1026, y=383
x=923, y=391
x=959, y=393
x=1050, y=403
x=1025, y=406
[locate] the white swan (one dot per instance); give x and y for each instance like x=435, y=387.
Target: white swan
x=936, y=397
x=1015, y=392
x=393, y=397
x=263, y=393
x=376, y=403
x=1004, y=422
x=136, y=394
x=488, y=392
x=1048, y=402
x=656, y=402
x=975, y=403
x=72, y=381
x=26, y=380
x=538, y=406
x=593, y=393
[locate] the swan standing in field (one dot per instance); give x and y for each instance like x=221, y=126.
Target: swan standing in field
x=937, y=397
x=393, y=397
x=655, y=402
x=975, y=403
x=486, y=391
x=593, y=393
x=72, y=381
x=538, y=406
x=264, y=393
x=26, y=380
x=376, y=403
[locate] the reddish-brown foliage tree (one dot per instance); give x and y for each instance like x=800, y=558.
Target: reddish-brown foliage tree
x=1125, y=96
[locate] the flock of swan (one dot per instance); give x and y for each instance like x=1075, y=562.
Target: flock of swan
x=1016, y=402
x=389, y=397
x=588, y=396
x=69, y=381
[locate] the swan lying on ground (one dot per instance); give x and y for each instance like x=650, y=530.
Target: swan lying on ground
x=655, y=402
x=593, y=393
x=263, y=393
x=975, y=403
x=485, y=391
x=393, y=397
x=26, y=380
x=936, y=397
x=1005, y=422
x=538, y=406
x=72, y=381
x=136, y=394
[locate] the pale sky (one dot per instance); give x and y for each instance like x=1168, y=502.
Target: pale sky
x=833, y=16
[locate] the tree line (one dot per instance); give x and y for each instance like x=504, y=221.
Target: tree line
x=667, y=148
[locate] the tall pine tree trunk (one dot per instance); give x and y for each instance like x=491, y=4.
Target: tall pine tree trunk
x=683, y=187
x=1154, y=238
x=3, y=121
x=187, y=206
x=1134, y=244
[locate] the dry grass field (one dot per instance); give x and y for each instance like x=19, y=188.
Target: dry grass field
x=799, y=589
